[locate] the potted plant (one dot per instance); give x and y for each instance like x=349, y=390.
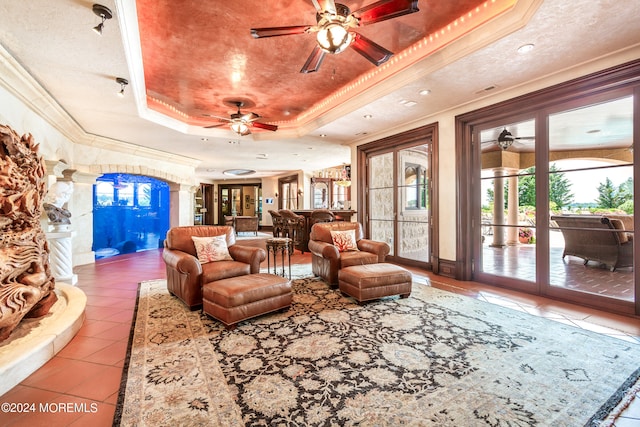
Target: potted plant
x=525, y=235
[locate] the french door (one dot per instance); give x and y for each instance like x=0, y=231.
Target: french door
x=398, y=208
x=551, y=204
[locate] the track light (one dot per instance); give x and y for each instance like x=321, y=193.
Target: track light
x=123, y=83
x=104, y=13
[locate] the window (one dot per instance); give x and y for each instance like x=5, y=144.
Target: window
x=104, y=193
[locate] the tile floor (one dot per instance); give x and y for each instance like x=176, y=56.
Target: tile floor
x=88, y=370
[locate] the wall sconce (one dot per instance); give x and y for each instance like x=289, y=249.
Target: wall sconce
x=276, y=194
x=104, y=13
x=300, y=192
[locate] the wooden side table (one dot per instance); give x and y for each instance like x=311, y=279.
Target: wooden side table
x=279, y=245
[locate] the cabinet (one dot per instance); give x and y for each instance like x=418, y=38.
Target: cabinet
x=203, y=205
x=198, y=205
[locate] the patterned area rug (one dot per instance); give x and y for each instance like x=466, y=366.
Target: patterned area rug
x=434, y=359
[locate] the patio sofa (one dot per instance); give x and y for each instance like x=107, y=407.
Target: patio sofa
x=597, y=238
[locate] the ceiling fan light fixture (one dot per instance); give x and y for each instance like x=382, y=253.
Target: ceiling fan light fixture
x=505, y=139
x=334, y=38
x=505, y=144
x=239, y=127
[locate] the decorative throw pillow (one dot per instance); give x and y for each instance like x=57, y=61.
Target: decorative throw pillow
x=344, y=240
x=211, y=248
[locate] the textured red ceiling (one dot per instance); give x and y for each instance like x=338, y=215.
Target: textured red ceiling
x=197, y=54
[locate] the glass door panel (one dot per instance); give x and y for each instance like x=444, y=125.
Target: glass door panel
x=591, y=199
x=225, y=202
x=507, y=214
x=320, y=195
x=381, y=199
x=412, y=199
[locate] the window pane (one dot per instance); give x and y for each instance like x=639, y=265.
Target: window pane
x=508, y=201
x=591, y=199
x=144, y=195
x=104, y=193
x=125, y=194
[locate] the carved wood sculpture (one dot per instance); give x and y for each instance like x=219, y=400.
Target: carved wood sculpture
x=26, y=283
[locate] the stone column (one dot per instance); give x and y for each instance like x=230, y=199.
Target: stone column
x=181, y=203
x=498, y=208
x=81, y=205
x=512, y=210
x=61, y=256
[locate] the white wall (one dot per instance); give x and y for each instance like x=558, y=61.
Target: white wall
x=27, y=108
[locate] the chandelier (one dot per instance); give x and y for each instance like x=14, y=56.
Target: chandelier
x=345, y=180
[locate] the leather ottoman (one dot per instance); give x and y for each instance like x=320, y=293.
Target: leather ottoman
x=238, y=298
x=373, y=281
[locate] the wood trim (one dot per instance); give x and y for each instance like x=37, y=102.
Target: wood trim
x=395, y=143
x=446, y=268
x=574, y=93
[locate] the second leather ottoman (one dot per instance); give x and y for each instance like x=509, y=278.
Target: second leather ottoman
x=238, y=298
x=373, y=281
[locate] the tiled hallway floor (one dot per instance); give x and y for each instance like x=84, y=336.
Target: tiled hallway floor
x=88, y=370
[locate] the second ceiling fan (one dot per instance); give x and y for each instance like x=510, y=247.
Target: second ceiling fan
x=334, y=26
x=506, y=139
x=241, y=123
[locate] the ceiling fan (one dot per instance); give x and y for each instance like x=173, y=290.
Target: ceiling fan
x=334, y=22
x=241, y=123
x=506, y=139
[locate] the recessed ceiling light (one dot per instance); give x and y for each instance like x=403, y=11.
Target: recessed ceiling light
x=424, y=92
x=239, y=172
x=409, y=103
x=593, y=131
x=204, y=139
x=487, y=89
x=322, y=135
x=368, y=116
x=525, y=48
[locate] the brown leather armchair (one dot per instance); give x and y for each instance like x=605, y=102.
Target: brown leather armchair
x=326, y=260
x=186, y=275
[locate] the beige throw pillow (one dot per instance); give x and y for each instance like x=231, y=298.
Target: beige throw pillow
x=344, y=240
x=211, y=248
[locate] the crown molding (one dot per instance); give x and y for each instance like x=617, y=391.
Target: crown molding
x=15, y=79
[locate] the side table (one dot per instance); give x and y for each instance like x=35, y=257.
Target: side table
x=279, y=245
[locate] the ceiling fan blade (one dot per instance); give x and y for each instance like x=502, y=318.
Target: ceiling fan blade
x=216, y=126
x=249, y=117
x=227, y=119
x=325, y=6
x=314, y=61
x=265, y=126
x=529, y=138
x=279, y=31
x=385, y=9
x=375, y=53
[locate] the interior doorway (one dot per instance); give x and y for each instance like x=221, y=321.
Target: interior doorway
x=239, y=200
x=130, y=214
